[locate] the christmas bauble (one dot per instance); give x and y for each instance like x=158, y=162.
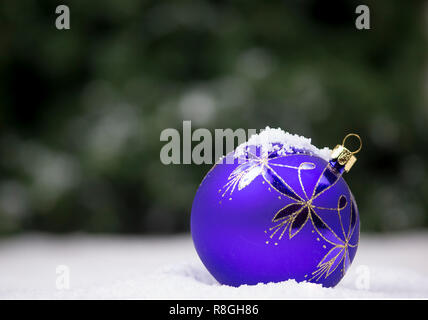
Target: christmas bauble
x=277, y=210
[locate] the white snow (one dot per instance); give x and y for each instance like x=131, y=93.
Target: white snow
x=269, y=140
x=168, y=268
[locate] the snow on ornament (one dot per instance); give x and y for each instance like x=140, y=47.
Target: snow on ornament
x=277, y=208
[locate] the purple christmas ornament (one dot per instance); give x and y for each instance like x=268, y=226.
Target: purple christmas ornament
x=275, y=210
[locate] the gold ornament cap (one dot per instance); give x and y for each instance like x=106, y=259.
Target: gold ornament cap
x=344, y=156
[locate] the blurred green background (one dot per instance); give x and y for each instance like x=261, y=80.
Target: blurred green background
x=81, y=110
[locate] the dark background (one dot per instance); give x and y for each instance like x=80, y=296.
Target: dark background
x=81, y=110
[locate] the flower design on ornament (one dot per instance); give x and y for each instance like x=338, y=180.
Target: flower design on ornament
x=294, y=216
x=254, y=166
x=339, y=254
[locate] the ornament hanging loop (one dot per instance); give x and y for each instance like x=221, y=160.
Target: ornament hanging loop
x=344, y=156
x=359, y=140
